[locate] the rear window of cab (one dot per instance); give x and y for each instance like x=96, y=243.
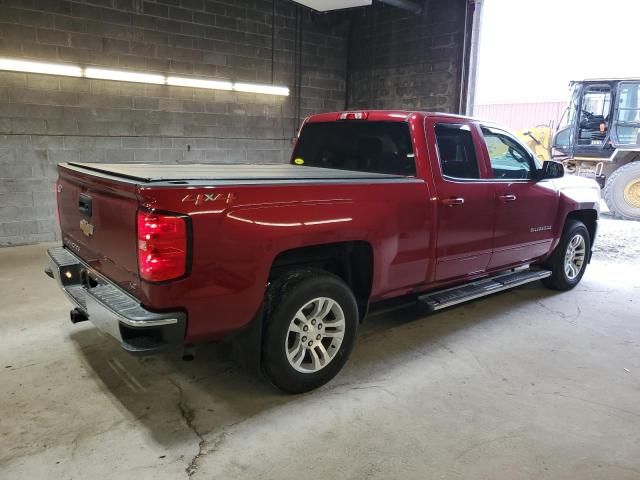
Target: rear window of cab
x=361, y=146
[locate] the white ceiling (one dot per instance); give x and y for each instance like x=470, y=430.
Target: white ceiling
x=326, y=5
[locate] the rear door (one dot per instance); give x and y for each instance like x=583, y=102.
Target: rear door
x=98, y=223
x=465, y=206
x=525, y=209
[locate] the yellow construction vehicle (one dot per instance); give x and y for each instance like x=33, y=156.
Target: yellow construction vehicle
x=598, y=136
x=538, y=139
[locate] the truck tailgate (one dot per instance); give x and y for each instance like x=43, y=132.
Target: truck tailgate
x=98, y=223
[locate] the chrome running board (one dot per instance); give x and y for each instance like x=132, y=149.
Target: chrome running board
x=486, y=286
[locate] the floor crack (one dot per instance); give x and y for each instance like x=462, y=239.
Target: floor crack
x=205, y=447
x=562, y=315
x=188, y=415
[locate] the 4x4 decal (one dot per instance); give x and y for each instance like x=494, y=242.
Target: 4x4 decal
x=201, y=198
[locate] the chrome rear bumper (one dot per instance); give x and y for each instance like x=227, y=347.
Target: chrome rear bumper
x=113, y=310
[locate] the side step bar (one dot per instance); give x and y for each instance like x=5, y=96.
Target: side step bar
x=480, y=288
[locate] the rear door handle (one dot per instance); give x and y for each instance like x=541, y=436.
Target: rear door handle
x=452, y=202
x=509, y=197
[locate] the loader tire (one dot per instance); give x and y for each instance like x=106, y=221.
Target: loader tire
x=622, y=192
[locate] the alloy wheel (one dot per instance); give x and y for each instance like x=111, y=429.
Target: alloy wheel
x=315, y=335
x=575, y=256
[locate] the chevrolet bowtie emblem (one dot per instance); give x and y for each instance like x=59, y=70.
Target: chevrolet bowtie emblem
x=86, y=228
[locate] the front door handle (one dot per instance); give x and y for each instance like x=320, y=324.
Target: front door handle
x=454, y=201
x=509, y=197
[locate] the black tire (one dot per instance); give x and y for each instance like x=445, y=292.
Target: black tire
x=285, y=297
x=559, y=280
x=614, y=191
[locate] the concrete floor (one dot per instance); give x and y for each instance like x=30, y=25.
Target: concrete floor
x=527, y=384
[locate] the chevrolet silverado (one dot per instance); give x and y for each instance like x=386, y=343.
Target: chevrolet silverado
x=286, y=260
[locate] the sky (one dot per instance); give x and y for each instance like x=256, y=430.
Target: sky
x=530, y=50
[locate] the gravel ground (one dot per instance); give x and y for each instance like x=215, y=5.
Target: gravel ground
x=617, y=240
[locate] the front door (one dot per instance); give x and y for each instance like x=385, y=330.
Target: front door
x=465, y=207
x=525, y=209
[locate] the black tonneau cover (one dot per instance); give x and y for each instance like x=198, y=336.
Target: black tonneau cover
x=150, y=173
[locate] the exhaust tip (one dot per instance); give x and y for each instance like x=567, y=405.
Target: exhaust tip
x=189, y=354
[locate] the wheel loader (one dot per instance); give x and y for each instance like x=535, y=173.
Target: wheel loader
x=598, y=136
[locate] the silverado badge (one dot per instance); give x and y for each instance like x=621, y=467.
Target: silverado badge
x=86, y=227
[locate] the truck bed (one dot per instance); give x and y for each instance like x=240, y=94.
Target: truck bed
x=223, y=173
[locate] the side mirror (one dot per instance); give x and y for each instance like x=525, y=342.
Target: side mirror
x=550, y=169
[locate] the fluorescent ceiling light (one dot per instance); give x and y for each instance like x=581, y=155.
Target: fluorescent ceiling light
x=127, y=76
x=199, y=83
x=254, y=88
x=326, y=5
x=39, y=67
x=123, y=76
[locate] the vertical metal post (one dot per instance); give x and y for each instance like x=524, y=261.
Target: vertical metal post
x=474, y=57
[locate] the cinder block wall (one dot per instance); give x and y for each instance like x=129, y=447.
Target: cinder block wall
x=406, y=61
x=48, y=119
x=396, y=60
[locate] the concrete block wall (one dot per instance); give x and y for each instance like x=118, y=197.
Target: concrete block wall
x=389, y=58
x=46, y=119
x=402, y=60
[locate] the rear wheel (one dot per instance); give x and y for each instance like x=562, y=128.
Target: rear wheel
x=569, y=260
x=310, y=329
x=622, y=192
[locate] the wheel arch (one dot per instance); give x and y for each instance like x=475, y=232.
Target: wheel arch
x=351, y=261
x=623, y=156
x=589, y=217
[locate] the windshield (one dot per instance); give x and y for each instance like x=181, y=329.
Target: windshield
x=377, y=147
x=569, y=115
x=564, y=134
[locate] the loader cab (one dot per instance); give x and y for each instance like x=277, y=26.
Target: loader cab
x=601, y=116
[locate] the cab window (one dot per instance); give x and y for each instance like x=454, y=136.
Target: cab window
x=361, y=146
x=594, y=115
x=509, y=160
x=628, y=113
x=456, y=151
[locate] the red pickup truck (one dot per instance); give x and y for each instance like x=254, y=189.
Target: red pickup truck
x=286, y=260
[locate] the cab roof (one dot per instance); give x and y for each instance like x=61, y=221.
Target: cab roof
x=605, y=80
x=380, y=115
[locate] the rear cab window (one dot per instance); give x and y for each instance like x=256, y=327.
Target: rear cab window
x=362, y=146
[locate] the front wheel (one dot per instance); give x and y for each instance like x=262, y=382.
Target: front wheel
x=310, y=328
x=569, y=259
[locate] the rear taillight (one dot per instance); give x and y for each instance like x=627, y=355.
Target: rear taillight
x=162, y=246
